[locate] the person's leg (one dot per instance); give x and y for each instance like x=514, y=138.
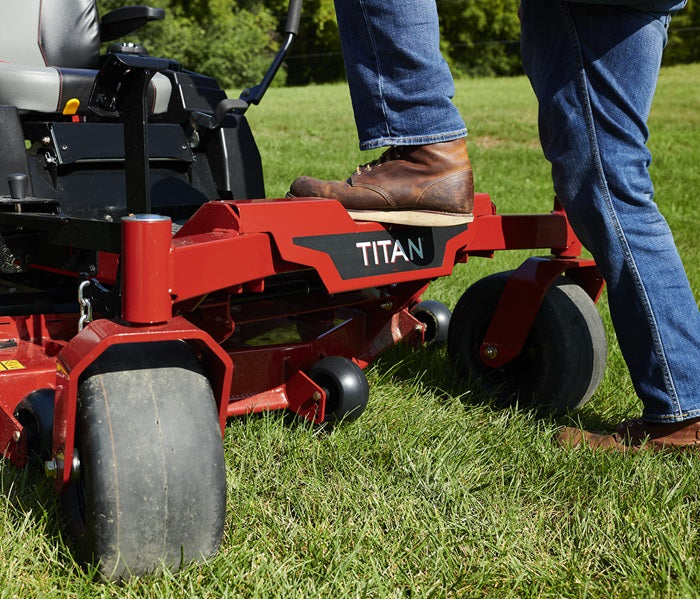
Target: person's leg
x=401, y=90
x=400, y=85
x=595, y=96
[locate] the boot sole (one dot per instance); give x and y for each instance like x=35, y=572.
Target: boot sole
x=415, y=218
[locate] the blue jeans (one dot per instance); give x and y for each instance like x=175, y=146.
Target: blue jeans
x=594, y=69
x=400, y=85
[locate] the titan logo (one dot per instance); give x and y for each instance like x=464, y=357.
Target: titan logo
x=388, y=251
x=383, y=252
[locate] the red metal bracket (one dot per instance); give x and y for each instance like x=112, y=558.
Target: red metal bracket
x=521, y=301
x=92, y=341
x=13, y=444
x=27, y=363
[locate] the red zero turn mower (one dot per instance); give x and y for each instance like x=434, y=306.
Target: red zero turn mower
x=144, y=299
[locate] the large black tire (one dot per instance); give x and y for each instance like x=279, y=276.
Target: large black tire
x=152, y=483
x=345, y=385
x=562, y=361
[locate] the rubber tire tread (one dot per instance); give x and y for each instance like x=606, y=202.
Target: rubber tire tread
x=152, y=460
x=436, y=316
x=347, y=389
x=564, y=357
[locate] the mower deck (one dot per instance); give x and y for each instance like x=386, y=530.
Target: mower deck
x=268, y=288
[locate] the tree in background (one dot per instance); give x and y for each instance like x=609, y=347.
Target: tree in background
x=684, y=36
x=235, y=40
x=315, y=56
x=481, y=37
x=232, y=41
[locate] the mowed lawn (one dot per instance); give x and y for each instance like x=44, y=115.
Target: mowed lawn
x=433, y=492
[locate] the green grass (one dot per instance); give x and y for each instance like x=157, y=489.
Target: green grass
x=431, y=493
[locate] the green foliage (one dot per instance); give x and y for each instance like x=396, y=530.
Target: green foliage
x=684, y=36
x=315, y=56
x=233, y=43
x=234, y=40
x=481, y=38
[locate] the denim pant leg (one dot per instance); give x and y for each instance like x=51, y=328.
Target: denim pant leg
x=400, y=85
x=594, y=70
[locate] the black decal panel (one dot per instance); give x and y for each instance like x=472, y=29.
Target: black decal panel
x=357, y=255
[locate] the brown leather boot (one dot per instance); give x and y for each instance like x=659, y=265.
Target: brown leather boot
x=429, y=185
x=634, y=435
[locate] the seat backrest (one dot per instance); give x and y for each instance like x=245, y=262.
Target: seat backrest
x=63, y=33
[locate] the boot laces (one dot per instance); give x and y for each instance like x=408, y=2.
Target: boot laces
x=388, y=155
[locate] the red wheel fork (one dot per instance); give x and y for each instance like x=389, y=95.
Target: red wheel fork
x=521, y=301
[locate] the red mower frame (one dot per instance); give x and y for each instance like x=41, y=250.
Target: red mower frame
x=167, y=279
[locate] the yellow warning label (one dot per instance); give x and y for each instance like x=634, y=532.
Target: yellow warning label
x=10, y=365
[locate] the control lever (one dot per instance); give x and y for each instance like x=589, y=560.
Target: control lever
x=291, y=28
x=212, y=121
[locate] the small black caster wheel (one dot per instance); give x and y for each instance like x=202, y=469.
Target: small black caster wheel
x=345, y=385
x=562, y=361
x=35, y=413
x=436, y=318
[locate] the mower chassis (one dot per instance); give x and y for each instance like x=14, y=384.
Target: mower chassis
x=209, y=278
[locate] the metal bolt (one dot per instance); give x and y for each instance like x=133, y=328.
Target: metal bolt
x=46, y=140
x=16, y=436
x=51, y=468
x=64, y=147
x=316, y=396
x=490, y=352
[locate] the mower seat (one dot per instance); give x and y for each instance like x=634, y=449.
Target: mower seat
x=49, y=53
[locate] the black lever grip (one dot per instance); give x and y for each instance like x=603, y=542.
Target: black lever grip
x=293, y=15
x=18, y=185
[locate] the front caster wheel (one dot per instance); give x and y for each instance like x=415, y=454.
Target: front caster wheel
x=562, y=361
x=152, y=486
x=345, y=385
x=35, y=413
x=436, y=318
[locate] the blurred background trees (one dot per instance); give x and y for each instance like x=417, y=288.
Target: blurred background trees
x=234, y=40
